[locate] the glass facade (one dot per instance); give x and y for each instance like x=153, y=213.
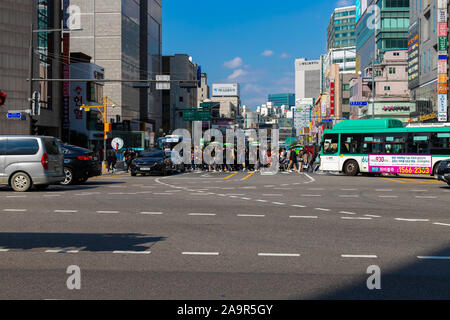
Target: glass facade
x=286, y=99
x=341, y=29
x=44, y=40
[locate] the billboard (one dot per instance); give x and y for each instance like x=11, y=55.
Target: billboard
x=225, y=90
x=413, y=56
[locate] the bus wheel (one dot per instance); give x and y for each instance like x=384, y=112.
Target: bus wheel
x=351, y=168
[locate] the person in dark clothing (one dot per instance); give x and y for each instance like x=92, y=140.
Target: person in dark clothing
x=113, y=161
x=293, y=161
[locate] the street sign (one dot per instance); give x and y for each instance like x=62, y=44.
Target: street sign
x=164, y=83
x=358, y=103
x=117, y=143
x=36, y=109
x=14, y=115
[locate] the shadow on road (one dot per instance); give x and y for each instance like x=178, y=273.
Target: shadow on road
x=84, y=242
x=424, y=279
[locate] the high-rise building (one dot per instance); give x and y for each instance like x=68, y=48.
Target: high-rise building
x=341, y=28
x=176, y=100
x=391, y=33
x=282, y=99
x=423, y=55
x=124, y=37
x=16, y=19
x=203, y=90
x=307, y=78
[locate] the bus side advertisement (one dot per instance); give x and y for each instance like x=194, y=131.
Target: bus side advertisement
x=401, y=164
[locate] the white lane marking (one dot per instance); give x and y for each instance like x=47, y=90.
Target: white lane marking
x=203, y=214
x=442, y=224
x=365, y=256
x=298, y=206
x=151, y=213
x=252, y=215
x=322, y=209
x=311, y=195
x=4, y=250
x=349, y=189
x=165, y=194
x=272, y=195
x=348, y=196
x=425, y=197
x=66, y=211
x=387, y=196
x=278, y=255
x=434, y=257
x=311, y=178
x=116, y=193
x=384, y=190
x=61, y=251
x=416, y=190
x=246, y=198
x=316, y=189
x=356, y=218
x=107, y=211
x=131, y=252
x=264, y=201
x=372, y=216
x=14, y=210
x=269, y=186
x=346, y=212
x=52, y=195
x=412, y=220
x=303, y=217
x=200, y=253
x=16, y=196
x=279, y=203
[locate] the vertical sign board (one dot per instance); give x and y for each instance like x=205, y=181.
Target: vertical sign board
x=66, y=69
x=332, y=98
x=442, y=60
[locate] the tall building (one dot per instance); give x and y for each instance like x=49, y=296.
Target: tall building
x=423, y=54
x=124, y=37
x=203, y=90
x=282, y=99
x=391, y=33
x=341, y=28
x=17, y=17
x=307, y=78
x=175, y=100
x=229, y=97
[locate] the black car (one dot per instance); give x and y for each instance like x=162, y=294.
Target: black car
x=443, y=171
x=79, y=164
x=154, y=161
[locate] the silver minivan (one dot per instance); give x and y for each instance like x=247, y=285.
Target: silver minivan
x=27, y=161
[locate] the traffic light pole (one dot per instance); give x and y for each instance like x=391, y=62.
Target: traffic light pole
x=106, y=125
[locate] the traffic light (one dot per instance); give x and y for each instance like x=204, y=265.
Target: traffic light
x=34, y=127
x=2, y=98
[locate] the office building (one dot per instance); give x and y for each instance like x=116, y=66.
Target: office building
x=124, y=37
x=282, y=99
x=228, y=95
x=391, y=33
x=341, y=28
x=176, y=100
x=16, y=18
x=307, y=78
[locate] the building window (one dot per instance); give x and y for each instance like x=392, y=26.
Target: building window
x=391, y=70
x=387, y=88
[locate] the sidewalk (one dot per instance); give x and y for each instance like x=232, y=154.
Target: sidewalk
x=120, y=170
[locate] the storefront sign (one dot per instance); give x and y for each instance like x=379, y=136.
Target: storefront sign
x=442, y=88
x=442, y=66
x=332, y=98
x=402, y=164
x=442, y=44
x=427, y=117
x=442, y=29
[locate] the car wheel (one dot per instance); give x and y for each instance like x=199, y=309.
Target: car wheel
x=133, y=174
x=351, y=168
x=20, y=182
x=69, y=178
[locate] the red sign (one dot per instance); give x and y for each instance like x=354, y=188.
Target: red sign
x=442, y=29
x=332, y=99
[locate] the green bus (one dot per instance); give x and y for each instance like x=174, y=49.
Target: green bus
x=378, y=146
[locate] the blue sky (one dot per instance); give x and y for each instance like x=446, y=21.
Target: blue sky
x=253, y=42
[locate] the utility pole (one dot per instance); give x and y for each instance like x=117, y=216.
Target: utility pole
x=106, y=125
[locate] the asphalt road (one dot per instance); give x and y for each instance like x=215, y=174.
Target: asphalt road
x=221, y=236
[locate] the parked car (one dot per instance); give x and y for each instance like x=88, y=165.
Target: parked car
x=79, y=164
x=155, y=161
x=443, y=171
x=30, y=161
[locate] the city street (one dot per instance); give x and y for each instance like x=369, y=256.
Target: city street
x=228, y=236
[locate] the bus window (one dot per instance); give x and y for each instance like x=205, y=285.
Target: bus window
x=419, y=143
x=367, y=141
x=351, y=143
x=440, y=143
x=378, y=144
x=395, y=143
x=331, y=144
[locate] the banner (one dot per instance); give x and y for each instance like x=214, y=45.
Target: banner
x=401, y=164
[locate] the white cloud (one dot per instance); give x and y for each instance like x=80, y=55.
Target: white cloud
x=267, y=53
x=233, y=64
x=344, y=3
x=285, y=56
x=236, y=74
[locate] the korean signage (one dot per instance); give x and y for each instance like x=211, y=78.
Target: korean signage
x=332, y=98
x=225, y=90
x=413, y=56
x=442, y=60
x=402, y=164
